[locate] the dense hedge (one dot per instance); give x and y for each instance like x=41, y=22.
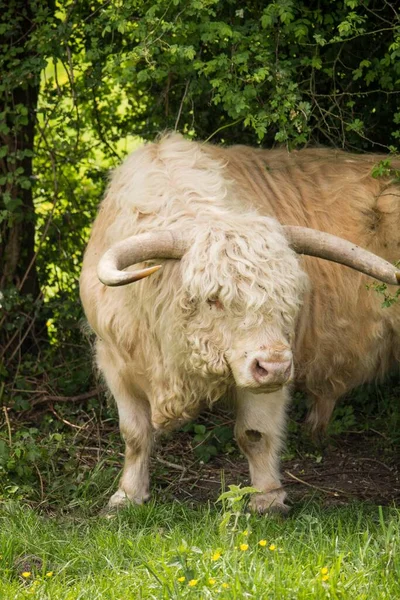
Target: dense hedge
x=82, y=79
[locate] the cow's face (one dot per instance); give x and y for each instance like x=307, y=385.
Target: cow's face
x=261, y=359
x=242, y=295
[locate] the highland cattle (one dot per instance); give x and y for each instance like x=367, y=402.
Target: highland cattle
x=238, y=292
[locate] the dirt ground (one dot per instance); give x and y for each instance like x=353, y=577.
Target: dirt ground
x=354, y=466
x=360, y=465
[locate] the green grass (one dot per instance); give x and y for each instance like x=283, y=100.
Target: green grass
x=144, y=552
x=69, y=552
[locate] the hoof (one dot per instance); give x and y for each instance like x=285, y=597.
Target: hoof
x=270, y=502
x=120, y=499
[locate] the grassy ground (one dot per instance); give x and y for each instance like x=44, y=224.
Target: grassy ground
x=338, y=542
x=169, y=551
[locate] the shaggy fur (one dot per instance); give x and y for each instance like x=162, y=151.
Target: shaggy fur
x=181, y=337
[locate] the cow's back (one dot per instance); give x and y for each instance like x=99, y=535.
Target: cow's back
x=345, y=337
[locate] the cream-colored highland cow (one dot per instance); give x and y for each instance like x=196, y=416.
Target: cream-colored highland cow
x=234, y=310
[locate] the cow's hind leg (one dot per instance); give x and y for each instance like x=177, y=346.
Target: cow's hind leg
x=260, y=426
x=320, y=413
x=136, y=429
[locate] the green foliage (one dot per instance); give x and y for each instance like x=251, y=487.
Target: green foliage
x=344, y=419
x=210, y=441
x=289, y=71
x=286, y=72
x=388, y=299
x=55, y=464
x=234, y=503
x=20, y=459
x=385, y=169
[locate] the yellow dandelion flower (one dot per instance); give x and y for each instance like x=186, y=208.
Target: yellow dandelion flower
x=246, y=532
x=26, y=574
x=181, y=578
x=272, y=547
x=325, y=577
x=244, y=547
x=262, y=543
x=226, y=586
x=193, y=582
x=216, y=555
x=211, y=580
x=49, y=574
x=324, y=570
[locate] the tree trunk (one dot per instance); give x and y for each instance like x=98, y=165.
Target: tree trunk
x=17, y=233
x=21, y=66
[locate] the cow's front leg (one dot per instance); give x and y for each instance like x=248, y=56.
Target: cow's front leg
x=135, y=426
x=260, y=426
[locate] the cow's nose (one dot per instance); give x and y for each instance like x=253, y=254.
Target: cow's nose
x=271, y=372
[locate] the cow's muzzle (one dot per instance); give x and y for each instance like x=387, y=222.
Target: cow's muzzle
x=264, y=370
x=270, y=368
x=271, y=373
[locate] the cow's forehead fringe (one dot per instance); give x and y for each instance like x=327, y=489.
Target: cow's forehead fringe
x=251, y=266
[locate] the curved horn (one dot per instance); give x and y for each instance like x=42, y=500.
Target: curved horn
x=330, y=247
x=136, y=249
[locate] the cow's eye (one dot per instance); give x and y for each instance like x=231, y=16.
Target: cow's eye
x=215, y=303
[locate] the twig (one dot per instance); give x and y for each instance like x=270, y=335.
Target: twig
x=181, y=105
x=103, y=450
x=99, y=127
x=55, y=413
x=79, y=398
x=170, y=464
x=385, y=437
x=41, y=482
x=223, y=127
x=336, y=493
x=175, y=466
x=8, y=426
x=27, y=330
x=378, y=462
